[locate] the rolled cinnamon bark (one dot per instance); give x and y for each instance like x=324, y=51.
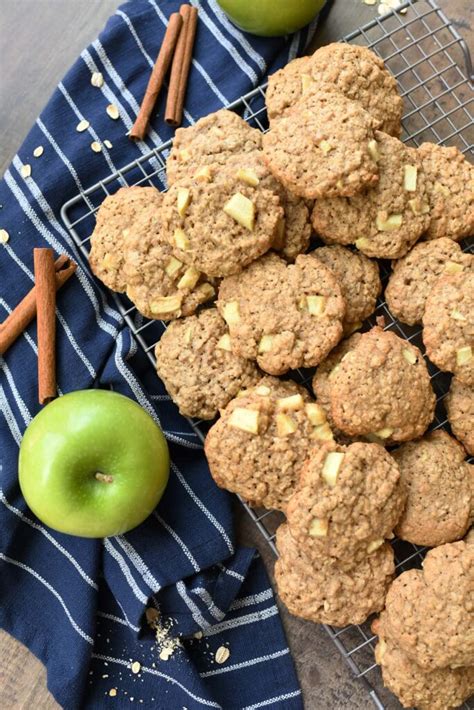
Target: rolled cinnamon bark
x=21, y=316
x=45, y=284
x=158, y=74
x=181, y=66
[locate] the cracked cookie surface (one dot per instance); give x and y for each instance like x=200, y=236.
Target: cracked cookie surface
x=197, y=366
x=355, y=71
x=386, y=220
x=258, y=446
x=283, y=316
x=323, y=591
x=440, y=490
x=381, y=388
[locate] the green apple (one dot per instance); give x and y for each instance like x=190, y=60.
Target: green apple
x=271, y=18
x=93, y=463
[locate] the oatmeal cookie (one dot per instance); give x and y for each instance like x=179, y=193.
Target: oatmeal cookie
x=249, y=168
x=258, y=446
x=198, y=367
x=322, y=382
x=283, y=316
x=382, y=389
x=320, y=590
x=354, y=71
x=440, y=487
x=448, y=325
x=115, y=224
x=439, y=689
x=320, y=148
x=415, y=274
x=348, y=501
x=460, y=409
x=220, y=226
x=450, y=189
x=213, y=139
x=161, y=286
x=359, y=280
x=385, y=221
x=429, y=613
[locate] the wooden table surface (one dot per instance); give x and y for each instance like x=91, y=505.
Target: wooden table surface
x=39, y=39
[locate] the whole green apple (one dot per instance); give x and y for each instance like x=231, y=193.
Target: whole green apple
x=93, y=463
x=271, y=18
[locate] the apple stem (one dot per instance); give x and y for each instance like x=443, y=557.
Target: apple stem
x=104, y=477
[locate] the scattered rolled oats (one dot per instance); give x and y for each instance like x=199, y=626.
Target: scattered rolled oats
x=166, y=653
x=82, y=126
x=96, y=147
x=113, y=692
x=97, y=79
x=136, y=667
x=25, y=170
x=4, y=236
x=38, y=152
x=112, y=111
x=107, y=143
x=198, y=635
x=222, y=654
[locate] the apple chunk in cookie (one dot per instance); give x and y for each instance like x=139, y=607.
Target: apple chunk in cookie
x=283, y=316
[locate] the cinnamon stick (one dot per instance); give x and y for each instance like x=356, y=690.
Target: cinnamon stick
x=181, y=66
x=158, y=73
x=21, y=316
x=45, y=281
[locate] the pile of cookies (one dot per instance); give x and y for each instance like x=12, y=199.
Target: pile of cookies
x=234, y=229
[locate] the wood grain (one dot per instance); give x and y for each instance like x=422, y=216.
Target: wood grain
x=54, y=32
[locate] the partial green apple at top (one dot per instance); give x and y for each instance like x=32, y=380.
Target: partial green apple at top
x=271, y=18
x=93, y=463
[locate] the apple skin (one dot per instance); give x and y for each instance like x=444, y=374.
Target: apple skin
x=271, y=18
x=83, y=433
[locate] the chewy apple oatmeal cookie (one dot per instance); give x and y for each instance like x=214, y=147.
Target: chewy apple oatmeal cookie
x=218, y=226
x=323, y=591
x=258, y=446
x=386, y=220
x=460, y=409
x=355, y=71
x=197, y=366
x=348, y=501
x=283, y=316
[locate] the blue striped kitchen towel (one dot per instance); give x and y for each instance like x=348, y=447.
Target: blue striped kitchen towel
x=79, y=604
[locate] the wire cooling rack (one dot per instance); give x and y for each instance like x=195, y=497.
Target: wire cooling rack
x=433, y=67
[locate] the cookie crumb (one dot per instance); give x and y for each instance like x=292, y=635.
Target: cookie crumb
x=82, y=126
x=112, y=111
x=97, y=79
x=38, y=151
x=136, y=667
x=25, y=170
x=113, y=692
x=4, y=236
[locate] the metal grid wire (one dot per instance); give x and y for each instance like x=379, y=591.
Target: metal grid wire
x=433, y=68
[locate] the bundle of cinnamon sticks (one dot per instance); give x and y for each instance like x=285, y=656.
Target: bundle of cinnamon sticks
x=177, y=52
x=50, y=276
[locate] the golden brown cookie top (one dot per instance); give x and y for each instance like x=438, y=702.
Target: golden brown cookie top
x=258, y=446
x=325, y=592
x=448, y=325
x=450, y=188
x=387, y=219
x=347, y=503
x=440, y=488
x=197, y=366
x=320, y=148
x=283, y=316
x=429, y=613
x=382, y=389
